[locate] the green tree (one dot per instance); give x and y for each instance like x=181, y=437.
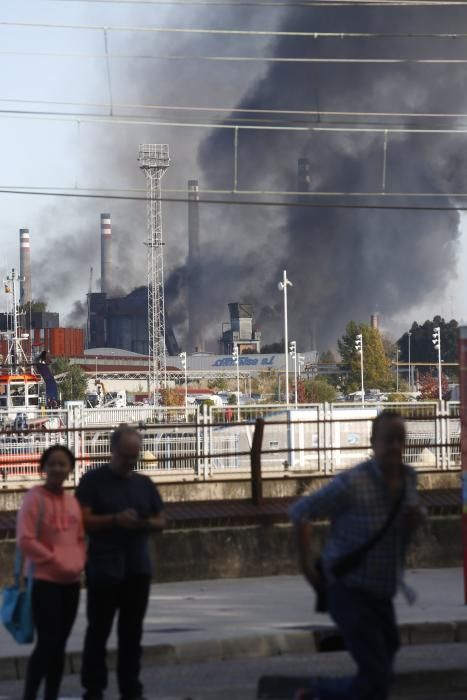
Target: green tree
x=220, y=384
x=421, y=342
x=316, y=391
x=73, y=384
x=34, y=305
x=376, y=364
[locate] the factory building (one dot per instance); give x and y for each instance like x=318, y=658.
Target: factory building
x=41, y=329
x=122, y=322
x=240, y=331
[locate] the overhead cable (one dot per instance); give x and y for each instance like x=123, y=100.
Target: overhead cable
x=240, y=32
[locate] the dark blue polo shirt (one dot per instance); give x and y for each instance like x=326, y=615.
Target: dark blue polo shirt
x=115, y=553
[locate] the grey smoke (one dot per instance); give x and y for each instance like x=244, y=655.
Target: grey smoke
x=344, y=263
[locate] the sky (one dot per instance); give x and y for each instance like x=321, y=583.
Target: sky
x=53, y=152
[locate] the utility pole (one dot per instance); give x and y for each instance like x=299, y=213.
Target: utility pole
x=283, y=288
x=437, y=345
x=293, y=355
x=183, y=360
x=236, y=360
x=359, y=349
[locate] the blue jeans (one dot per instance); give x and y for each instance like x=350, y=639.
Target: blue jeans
x=368, y=625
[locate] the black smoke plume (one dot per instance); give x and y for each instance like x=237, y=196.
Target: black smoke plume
x=344, y=263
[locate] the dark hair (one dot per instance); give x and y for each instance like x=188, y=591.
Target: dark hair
x=387, y=414
x=117, y=435
x=55, y=448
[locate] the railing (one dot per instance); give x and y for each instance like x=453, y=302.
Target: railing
x=313, y=439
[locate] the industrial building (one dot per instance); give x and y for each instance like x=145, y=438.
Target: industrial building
x=41, y=329
x=122, y=322
x=241, y=331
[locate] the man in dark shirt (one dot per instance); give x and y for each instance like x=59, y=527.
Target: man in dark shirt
x=120, y=510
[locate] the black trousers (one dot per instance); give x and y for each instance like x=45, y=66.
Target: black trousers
x=55, y=606
x=130, y=599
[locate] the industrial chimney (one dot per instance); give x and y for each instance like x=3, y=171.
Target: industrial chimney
x=303, y=175
x=25, y=296
x=374, y=321
x=106, y=253
x=195, y=341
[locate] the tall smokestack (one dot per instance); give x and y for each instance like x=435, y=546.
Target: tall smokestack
x=374, y=321
x=106, y=253
x=194, y=269
x=303, y=175
x=25, y=295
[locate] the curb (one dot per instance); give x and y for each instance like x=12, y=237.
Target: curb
x=315, y=640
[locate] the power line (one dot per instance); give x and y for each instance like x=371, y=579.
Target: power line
x=241, y=32
x=280, y=3
x=260, y=203
x=138, y=121
x=319, y=113
x=238, y=59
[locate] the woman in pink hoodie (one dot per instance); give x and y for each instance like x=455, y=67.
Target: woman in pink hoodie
x=50, y=535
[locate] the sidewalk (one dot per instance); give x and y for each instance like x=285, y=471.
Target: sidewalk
x=221, y=619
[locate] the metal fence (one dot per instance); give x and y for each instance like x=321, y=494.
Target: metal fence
x=210, y=443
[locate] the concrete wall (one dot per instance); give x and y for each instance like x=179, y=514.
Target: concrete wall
x=234, y=552
x=238, y=488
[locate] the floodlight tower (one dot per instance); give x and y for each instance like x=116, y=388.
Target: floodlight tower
x=154, y=161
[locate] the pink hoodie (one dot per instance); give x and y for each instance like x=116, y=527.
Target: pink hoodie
x=59, y=552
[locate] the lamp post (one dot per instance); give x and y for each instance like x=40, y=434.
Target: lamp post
x=437, y=344
x=397, y=368
x=359, y=349
x=283, y=288
x=182, y=357
x=410, y=360
x=293, y=355
x=236, y=360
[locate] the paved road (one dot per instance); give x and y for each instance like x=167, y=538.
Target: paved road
x=236, y=680
x=226, y=609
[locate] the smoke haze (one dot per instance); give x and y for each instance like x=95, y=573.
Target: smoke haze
x=344, y=263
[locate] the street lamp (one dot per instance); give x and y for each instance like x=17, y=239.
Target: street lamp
x=437, y=344
x=294, y=356
x=236, y=360
x=283, y=288
x=359, y=349
x=410, y=360
x=182, y=357
x=397, y=368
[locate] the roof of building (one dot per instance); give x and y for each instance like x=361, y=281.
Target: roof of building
x=113, y=353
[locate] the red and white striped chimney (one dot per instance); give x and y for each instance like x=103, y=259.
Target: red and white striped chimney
x=25, y=296
x=106, y=253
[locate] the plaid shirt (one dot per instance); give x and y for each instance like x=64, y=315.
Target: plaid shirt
x=358, y=504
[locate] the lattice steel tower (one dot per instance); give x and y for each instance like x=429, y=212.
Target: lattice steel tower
x=154, y=161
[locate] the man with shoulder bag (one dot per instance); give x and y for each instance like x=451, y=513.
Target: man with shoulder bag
x=374, y=509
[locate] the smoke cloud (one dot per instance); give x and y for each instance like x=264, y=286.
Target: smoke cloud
x=344, y=263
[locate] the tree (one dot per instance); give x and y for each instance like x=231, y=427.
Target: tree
x=376, y=364
x=316, y=391
x=73, y=385
x=327, y=358
x=220, y=384
x=34, y=305
x=429, y=387
x=421, y=342
x=172, y=397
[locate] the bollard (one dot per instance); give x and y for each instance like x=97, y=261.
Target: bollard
x=256, y=477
